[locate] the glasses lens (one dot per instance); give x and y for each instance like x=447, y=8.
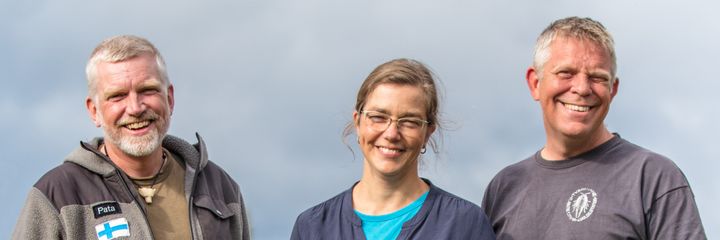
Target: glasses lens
x=410, y=124
x=378, y=121
x=407, y=126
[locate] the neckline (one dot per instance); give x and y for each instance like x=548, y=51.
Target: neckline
x=578, y=159
x=165, y=170
x=347, y=210
x=400, y=212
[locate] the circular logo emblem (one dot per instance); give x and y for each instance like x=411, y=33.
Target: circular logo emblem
x=581, y=204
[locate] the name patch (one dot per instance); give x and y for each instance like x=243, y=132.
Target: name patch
x=105, y=209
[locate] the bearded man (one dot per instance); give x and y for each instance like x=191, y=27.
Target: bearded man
x=136, y=182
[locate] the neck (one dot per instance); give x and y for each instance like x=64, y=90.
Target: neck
x=377, y=195
x=564, y=147
x=134, y=167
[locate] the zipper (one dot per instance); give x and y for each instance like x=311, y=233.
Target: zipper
x=137, y=203
x=127, y=187
x=190, y=206
x=191, y=201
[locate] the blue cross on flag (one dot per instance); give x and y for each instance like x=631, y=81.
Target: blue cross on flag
x=113, y=229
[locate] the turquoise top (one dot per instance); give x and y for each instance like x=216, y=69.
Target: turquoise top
x=388, y=226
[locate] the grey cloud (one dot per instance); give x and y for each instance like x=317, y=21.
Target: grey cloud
x=270, y=85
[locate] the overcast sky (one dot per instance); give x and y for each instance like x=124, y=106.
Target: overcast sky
x=271, y=84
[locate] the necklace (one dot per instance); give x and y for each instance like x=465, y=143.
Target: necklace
x=147, y=192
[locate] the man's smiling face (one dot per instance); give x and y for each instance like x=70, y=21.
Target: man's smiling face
x=574, y=88
x=133, y=104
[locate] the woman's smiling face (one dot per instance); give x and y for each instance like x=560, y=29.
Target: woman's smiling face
x=393, y=152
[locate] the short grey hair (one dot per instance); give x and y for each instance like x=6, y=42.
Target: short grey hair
x=577, y=28
x=121, y=48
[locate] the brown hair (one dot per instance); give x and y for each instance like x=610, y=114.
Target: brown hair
x=402, y=72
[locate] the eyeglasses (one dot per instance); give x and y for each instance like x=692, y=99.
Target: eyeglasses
x=409, y=126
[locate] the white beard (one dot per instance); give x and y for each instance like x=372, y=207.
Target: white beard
x=135, y=146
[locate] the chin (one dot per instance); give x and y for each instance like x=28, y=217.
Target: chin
x=386, y=167
x=391, y=173
x=139, y=146
x=578, y=133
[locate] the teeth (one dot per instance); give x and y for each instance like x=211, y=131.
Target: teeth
x=138, y=125
x=576, y=107
x=387, y=150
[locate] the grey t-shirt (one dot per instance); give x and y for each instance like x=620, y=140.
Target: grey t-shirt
x=616, y=191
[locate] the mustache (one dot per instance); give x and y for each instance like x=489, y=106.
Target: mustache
x=148, y=115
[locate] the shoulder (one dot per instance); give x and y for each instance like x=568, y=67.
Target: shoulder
x=656, y=173
x=66, y=177
x=634, y=151
x=215, y=170
x=68, y=184
x=324, y=220
x=516, y=172
x=450, y=215
x=445, y=198
x=652, y=164
x=454, y=207
x=321, y=212
x=520, y=167
x=510, y=181
x=215, y=180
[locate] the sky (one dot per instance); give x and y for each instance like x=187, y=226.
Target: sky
x=271, y=84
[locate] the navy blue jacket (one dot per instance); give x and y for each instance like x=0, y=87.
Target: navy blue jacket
x=442, y=216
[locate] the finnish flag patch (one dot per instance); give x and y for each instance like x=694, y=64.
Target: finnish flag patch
x=113, y=229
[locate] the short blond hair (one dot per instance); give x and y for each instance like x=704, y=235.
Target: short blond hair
x=121, y=48
x=577, y=28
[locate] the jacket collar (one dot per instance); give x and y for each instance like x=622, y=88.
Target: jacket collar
x=88, y=156
x=349, y=212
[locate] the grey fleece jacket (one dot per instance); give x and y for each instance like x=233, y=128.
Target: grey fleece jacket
x=88, y=197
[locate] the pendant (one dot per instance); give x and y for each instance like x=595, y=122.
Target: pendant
x=147, y=192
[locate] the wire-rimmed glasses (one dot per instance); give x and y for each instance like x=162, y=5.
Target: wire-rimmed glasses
x=408, y=126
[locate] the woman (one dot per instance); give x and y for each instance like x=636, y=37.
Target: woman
x=396, y=112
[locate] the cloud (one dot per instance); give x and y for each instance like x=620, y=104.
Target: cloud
x=270, y=85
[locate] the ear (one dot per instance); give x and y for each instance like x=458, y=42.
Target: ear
x=171, y=97
x=615, y=87
x=533, y=82
x=430, y=130
x=356, y=121
x=92, y=111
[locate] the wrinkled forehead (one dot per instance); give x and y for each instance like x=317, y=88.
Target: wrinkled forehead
x=575, y=49
x=606, y=45
x=140, y=70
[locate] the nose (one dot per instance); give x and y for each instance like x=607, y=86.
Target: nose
x=135, y=105
x=392, y=132
x=581, y=85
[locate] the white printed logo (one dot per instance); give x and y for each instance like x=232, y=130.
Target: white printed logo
x=581, y=204
x=113, y=229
